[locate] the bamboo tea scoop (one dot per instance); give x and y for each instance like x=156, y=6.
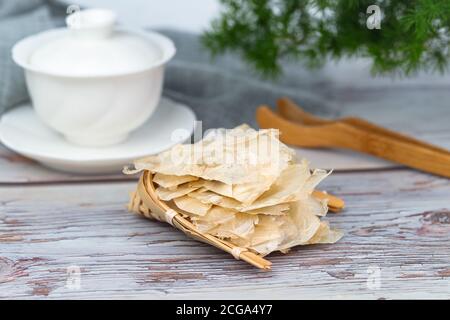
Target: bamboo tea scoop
x=146, y=202
x=303, y=129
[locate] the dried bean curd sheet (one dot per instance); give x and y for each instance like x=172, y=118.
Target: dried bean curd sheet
x=244, y=186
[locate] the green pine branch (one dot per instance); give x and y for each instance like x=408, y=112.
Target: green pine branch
x=414, y=34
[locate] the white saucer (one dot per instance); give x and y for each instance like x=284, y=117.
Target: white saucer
x=22, y=132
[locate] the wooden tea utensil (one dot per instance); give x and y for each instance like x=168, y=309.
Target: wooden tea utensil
x=334, y=203
x=302, y=129
x=145, y=201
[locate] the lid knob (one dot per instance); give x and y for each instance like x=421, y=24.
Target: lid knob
x=92, y=22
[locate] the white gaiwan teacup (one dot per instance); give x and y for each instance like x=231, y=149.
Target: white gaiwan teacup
x=92, y=82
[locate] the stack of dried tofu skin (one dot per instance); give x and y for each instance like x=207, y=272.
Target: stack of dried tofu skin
x=244, y=186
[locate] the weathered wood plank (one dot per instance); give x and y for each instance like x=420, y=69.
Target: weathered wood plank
x=415, y=109
x=396, y=220
x=15, y=168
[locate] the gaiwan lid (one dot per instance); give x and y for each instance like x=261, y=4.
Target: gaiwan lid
x=91, y=45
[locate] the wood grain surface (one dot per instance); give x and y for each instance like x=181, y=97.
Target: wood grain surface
x=396, y=224
x=402, y=228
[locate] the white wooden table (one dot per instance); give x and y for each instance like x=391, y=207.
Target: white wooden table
x=66, y=236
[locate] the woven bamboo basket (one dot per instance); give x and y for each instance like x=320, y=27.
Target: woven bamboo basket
x=146, y=202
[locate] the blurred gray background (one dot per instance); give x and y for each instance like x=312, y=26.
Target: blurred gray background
x=186, y=15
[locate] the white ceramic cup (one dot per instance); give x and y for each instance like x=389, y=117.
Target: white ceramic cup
x=97, y=109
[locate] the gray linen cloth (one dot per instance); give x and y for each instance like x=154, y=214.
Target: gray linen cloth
x=222, y=92
x=18, y=19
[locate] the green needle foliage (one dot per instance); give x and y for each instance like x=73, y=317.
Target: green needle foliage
x=414, y=34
